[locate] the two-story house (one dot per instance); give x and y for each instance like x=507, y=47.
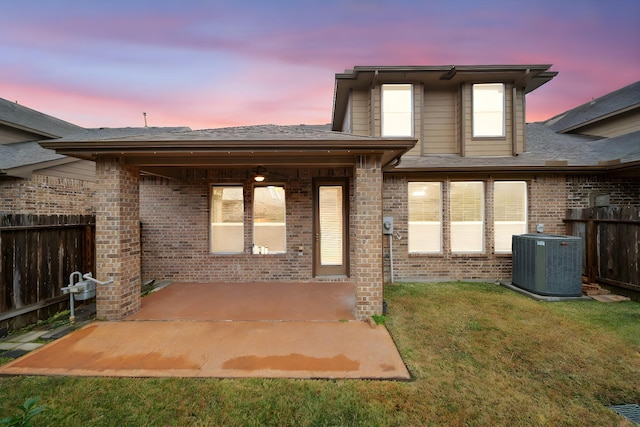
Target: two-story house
x=443, y=151
x=478, y=174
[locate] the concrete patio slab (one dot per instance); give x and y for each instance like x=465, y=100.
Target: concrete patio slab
x=250, y=301
x=219, y=349
x=227, y=330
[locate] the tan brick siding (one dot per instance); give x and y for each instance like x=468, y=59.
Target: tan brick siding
x=117, y=239
x=367, y=237
x=547, y=205
x=47, y=195
x=176, y=226
x=623, y=191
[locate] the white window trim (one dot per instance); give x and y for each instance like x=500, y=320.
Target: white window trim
x=439, y=223
x=225, y=224
x=482, y=222
x=382, y=112
x=503, y=132
x=261, y=250
x=525, y=223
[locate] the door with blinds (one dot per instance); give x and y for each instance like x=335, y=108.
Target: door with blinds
x=331, y=223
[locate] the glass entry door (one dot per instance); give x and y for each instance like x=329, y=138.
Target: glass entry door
x=331, y=223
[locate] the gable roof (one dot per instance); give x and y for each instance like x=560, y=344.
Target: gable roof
x=616, y=102
x=17, y=116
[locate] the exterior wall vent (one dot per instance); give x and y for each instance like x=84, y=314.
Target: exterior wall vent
x=547, y=264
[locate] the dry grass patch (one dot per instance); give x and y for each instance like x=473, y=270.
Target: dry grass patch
x=490, y=355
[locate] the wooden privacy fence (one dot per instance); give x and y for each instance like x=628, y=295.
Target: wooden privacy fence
x=611, y=244
x=37, y=254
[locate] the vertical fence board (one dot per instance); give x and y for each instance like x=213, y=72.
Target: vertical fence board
x=611, y=236
x=37, y=254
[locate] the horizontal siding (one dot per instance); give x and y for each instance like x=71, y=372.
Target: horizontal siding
x=9, y=135
x=360, y=113
x=520, y=124
x=615, y=126
x=487, y=146
x=440, y=123
x=417, y=120
x=83, y=170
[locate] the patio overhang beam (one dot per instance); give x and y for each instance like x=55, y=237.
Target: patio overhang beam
x=237, y=153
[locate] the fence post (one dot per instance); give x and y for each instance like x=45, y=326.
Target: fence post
x=592, y=251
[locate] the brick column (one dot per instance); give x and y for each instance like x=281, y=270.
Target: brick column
x=367, y=224
x=117, y=238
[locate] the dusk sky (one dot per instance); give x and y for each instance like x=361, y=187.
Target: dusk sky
x=207, y=64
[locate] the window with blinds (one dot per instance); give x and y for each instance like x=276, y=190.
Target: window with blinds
x=227, y=219
x=467, y=217
x=509, y=213
x=397, y=110
x=331, y=224
x=269, y=226
x=425, y=217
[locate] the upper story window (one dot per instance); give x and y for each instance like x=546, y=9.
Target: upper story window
x=488, y=110
x=397, y=110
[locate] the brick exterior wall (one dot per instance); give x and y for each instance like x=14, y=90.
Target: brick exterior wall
x=547, y=205
x=622, y=191
x=117, y=239
x=176, y=228
x=367, y=237
x=46, y=195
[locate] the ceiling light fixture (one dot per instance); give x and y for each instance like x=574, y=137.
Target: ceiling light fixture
x=259, y=174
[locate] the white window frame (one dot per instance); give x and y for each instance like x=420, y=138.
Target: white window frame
x=391, y=108
x=421, y=233
x=489, y=108
x=475, y=227
x=258, y=246
x=501, y=242
x=225, y=224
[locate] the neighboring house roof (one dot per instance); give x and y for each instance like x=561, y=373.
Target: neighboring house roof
x=616, y=102
x=23, y=118
x=20, y=159
x=546, y=151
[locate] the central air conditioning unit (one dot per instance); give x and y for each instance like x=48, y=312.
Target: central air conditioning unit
x=547, y=264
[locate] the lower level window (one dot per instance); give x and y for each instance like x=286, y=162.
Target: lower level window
x=227, y=219
x=269, y=226
x=467, y=217
x=425, y=217
x=509, y=212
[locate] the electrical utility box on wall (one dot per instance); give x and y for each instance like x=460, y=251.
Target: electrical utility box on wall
x=547, y=264
x=387, y=225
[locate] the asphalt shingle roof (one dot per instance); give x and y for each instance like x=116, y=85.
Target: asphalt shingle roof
x=618, y=100
x=542, y=145
x=238, y=133
x=34, y=121
x=19, y=154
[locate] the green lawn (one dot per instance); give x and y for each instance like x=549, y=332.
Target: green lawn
x=479, y=354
